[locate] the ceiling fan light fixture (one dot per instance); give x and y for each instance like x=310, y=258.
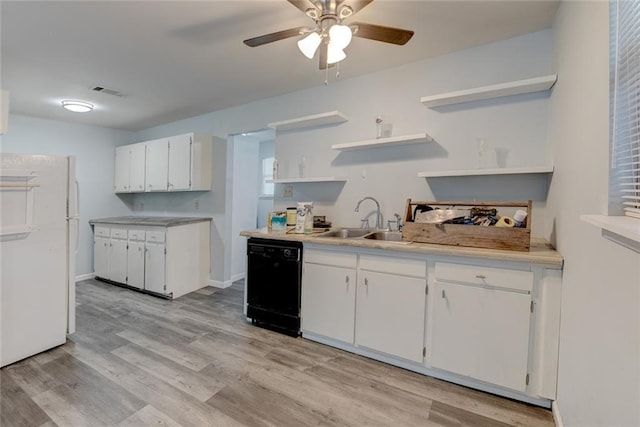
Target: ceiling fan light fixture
x=77, y=106
x=340, y=35
x=334, y=54
x=309, y=44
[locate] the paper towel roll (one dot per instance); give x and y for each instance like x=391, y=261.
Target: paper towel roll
x=505, y=221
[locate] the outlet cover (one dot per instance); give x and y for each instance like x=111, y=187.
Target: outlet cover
x=288, y=191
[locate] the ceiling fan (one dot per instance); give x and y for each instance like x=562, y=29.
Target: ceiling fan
x=329, y=35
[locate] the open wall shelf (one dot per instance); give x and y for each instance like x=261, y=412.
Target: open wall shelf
x=487, y=172
x=328, y=118
x=307, y=180
x=536, y=84
x=383, y=142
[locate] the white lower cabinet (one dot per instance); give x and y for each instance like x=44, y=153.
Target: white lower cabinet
x=171, y=261
x=329, y=294
x=391, y=306
x=101, y=253
x=155, y=265
x=135, y=259
x=481, y=321
x=118, y=255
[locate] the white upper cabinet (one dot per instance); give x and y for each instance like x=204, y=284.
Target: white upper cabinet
x=157, y=165
x=178, y=163
x=130, y=167
x=121, y=184
x=136, y=167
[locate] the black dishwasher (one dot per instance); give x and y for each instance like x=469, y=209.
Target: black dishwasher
x=274, y=272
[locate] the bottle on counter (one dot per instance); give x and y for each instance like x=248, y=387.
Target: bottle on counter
x=308, y=219
x=291, y=216
x=300, y=217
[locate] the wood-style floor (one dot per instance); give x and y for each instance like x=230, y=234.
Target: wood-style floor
x=137, y=360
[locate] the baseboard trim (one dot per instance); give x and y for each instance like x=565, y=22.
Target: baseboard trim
x=82, y=277
x=555, y=410
x=237, y=277
x=219, y=284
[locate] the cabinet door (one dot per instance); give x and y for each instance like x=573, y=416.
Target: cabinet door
x=121, y=176
x=390, y=314
x=135, y=264
x=137, y=155
x=329, y=301
x=481, y=333
x=180, y=163
x=101, y=257
x=154, y=270
x=157, y=165
x=118, y=260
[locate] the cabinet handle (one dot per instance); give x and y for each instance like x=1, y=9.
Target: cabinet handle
x=443, y=295
x=481, y=276
x=366, y=281
x=346, y=279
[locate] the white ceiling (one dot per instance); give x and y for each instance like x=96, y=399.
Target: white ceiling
x=178, y=59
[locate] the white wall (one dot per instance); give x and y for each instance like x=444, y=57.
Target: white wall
x=244, y=205
x=518, y=123
x=265, y=203
x=599, y=368
x=390, y=174
x=95, y=155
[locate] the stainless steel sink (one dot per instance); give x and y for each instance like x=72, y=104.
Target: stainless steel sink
x=389, y=236
x=345, y=233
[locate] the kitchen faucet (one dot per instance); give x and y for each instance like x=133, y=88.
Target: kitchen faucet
x=399, y=223
x=378, y=214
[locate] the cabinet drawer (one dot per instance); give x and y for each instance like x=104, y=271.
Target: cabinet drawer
x=155, y=236
x=334, y=258
x=101, y=231
x=119, y=233
x=136, y=235
x=398, y=266
x=485, y=276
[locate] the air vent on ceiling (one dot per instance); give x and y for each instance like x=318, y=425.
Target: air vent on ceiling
x=107, y=91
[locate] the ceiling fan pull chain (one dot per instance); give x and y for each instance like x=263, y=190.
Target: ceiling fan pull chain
x=326, y=76
x=338, y=70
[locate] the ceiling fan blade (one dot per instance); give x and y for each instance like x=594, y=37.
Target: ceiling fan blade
x=274, y=37
x=303, y=5
x=357, y=5
x=381, y=33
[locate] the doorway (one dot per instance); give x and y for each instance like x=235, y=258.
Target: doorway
x=251, y=195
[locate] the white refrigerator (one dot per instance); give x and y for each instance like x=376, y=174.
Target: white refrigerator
x=38, y=243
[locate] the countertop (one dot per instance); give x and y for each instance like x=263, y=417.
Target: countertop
x=157, y=221
x=541, y=252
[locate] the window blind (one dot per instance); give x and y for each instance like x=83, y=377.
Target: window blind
x=626, y=107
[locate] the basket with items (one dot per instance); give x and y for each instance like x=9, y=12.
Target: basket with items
x=491, y=225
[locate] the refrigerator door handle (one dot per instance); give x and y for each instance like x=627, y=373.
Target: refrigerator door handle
x=76, y=216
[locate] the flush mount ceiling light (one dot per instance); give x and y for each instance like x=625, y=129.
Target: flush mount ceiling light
x=77, y=106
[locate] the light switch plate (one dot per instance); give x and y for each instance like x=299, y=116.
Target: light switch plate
x=288, y=191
